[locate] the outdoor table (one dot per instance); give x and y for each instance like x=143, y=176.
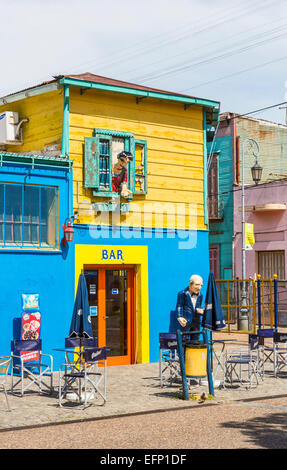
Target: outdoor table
x=76, y=365
x=79, y=353
x=77, y=369
x=68, y=351
x=219, y=356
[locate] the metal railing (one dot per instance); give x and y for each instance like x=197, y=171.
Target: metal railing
x=266, y=302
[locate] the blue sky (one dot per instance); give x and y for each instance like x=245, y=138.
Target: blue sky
x=233, y=52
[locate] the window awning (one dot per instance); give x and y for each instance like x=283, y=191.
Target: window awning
x=35, y=160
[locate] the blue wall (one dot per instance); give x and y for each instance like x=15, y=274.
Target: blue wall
x=169, y=269
x=50, y=274
x=172, y=257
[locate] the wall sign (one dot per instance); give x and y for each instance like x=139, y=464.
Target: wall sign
x=112, y=254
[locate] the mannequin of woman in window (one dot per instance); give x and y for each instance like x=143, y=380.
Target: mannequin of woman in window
x=120, y=174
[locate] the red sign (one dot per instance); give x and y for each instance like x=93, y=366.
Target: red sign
x=31, y=324
x=29, y=356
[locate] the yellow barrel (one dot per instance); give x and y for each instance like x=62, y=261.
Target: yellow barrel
x=195, y=360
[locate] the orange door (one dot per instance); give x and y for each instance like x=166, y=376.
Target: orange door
x=111, y=299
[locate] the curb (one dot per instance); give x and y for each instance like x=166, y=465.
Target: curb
x=100, y=418
x=138, y=413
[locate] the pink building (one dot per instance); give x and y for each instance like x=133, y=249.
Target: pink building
x=266, y=209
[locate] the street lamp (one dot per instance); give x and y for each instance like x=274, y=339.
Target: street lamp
x=256, y=171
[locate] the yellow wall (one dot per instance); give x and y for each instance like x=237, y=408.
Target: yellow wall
x=138, y=256
x=174, y=149
x=45, y=114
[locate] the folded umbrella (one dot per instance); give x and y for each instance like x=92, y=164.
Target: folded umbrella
x=81, y=326
x=212, y=316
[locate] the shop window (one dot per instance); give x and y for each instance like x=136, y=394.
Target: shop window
x=27, y=216
x=101, y=152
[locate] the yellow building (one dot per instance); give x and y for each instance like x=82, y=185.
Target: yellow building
x=136, y=251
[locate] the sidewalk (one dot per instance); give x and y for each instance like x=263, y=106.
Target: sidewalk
x=131, y=389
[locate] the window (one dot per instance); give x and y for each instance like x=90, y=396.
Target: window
x=270, y=263
x=214, y=260
x=140, y=167
x=101, y=153
x=27, y=215
x=213, y=209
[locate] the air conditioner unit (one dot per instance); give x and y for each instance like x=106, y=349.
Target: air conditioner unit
x=8, y=128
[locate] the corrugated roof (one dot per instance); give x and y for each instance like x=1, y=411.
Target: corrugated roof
x=90, y=77
x=212, y=107
x=87, y=76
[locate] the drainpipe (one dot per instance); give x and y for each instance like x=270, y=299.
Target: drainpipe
x=65, y=145
x=236, y=179
x=205, y=170
x=65, y=131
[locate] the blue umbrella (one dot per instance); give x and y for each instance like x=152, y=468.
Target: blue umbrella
x=213, y=316
x=81, y=323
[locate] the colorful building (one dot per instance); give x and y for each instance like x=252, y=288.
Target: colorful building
x=265, y=209
x=264, y=202
x=137, y=251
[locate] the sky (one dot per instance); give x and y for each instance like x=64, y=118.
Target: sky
x=232, y=52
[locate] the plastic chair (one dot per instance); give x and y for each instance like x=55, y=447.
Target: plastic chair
x=169, y=366
x=268, y=348
x=5, y=362
x=83, y=379
x=247, y=365
x=279, y=353
x=27, y=360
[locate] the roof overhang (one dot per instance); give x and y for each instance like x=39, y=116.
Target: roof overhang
x=212, y=107
x=39, y=90
x=35, y=160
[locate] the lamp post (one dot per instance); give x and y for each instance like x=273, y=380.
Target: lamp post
x=256, y=171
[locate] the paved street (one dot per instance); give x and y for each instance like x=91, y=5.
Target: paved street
x=256, y=425
x=139, y=414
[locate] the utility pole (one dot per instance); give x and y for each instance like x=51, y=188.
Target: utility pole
x=243, y=319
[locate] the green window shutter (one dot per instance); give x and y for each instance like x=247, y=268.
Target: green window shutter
x=104, y=143
x=130, y=147
x=140, y=167
x=91, y=179
x=98, y=163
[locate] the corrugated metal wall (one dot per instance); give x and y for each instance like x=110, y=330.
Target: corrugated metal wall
x=272, y=139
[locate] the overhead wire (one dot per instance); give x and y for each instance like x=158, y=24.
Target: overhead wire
x=185, y=32
x=257, y=110
x=29, y=83
x=169, y=38
x=225, y=40
x=239, y=72
x=209, y=60
x=252, y=187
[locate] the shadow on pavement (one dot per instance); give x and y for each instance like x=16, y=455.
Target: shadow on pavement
x=267, y=432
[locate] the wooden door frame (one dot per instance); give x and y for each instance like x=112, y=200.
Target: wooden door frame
x=131, y=327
